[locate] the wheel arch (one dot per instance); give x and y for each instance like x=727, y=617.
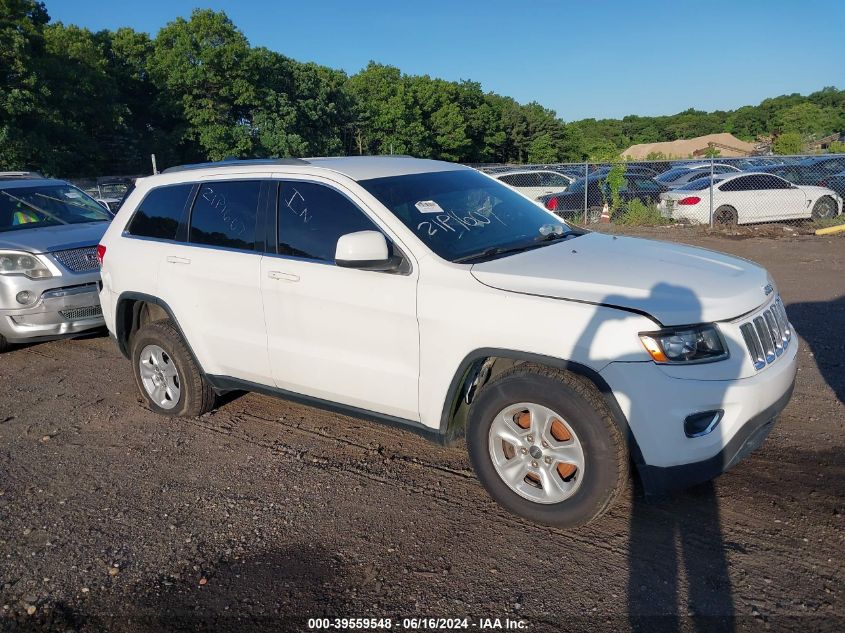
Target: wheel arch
x=481, y=364
x=135, y=309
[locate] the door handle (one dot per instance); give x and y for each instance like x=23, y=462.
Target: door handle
x=281, y=276
x=177, y=260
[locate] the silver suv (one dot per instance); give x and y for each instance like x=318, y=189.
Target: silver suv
x=49, y=273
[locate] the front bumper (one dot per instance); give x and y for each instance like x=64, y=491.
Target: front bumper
x=750, y=437
x=59, y=312
x=656, y=403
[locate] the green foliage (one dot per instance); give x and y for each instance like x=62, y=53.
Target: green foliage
x=788, y=143
x=836, y=147
x=615, y=180
x=712, y=152
x=825, y=115
x=74, y=102
x=640, y=214
x=542, y=150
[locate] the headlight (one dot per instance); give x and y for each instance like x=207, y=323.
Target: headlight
x=17, y=263
x=685, y=344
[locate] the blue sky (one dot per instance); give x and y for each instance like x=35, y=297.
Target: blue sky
x=590, y=58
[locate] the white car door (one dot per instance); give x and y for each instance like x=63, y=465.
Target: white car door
x=788, y=201
x=211, y=280
x=339, y=334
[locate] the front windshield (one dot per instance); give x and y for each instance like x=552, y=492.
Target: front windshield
x=50, y=205
x=463, y=214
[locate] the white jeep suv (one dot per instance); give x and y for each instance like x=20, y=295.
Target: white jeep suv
x=429, y=296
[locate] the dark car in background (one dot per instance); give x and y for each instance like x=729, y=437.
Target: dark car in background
x=570, y=204
x=815, y=170
x=681, y=175
x=835, y=182
x=822, y=167
x=640, y=170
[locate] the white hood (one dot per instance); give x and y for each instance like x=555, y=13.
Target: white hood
x=677, y=285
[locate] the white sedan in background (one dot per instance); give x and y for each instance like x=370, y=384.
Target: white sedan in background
x=747, y=197
x=535, y=183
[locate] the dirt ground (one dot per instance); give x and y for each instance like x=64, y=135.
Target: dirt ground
x=263, y=514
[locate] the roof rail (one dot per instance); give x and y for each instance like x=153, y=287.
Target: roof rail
x=13, y=175
x=235, y=162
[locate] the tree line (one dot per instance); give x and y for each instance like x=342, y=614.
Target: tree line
x=78, y=103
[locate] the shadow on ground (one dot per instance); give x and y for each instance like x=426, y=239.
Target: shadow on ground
x=822, y=325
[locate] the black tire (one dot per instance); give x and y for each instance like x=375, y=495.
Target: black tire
x=196, y=395
x=825, y=208
x=4, y=344
x=726, y=215
x=606, y=464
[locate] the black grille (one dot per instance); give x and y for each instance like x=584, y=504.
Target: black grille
x=78, y=314
x=78, y=260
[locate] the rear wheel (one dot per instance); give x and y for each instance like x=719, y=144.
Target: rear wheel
x=166, y=373
x=726, y=216
x=4, y=344
x=825, y=208
x=545, y=447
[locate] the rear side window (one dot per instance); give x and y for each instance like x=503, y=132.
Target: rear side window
x=738, y=184
x=312, y=218
x=225, y=213
x=159, y=213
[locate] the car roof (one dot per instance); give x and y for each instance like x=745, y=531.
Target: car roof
x=21, y=183
x=354, y=167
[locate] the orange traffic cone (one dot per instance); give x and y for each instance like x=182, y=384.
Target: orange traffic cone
x=605, y=214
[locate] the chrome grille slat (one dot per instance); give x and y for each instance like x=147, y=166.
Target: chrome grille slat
x=767, y=334
x=78, y=260
x=774, y=330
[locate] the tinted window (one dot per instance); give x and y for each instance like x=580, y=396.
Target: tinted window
x=738, y=184
x=551, y=179
x=160, y=211
x=512, y=180
x=224, y=214
x=312, y=218
x=646, y=184
x=771, y=182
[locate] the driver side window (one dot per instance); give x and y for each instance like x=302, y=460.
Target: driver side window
x=312, y=217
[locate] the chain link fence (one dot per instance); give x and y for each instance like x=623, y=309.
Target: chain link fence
x=711, y=191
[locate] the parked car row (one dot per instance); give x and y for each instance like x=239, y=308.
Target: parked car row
x=749, y=190
x=366, y=285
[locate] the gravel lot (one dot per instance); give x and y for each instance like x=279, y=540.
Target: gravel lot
x=262, y=513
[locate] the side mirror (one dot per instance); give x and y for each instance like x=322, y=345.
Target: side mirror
x=366, y=250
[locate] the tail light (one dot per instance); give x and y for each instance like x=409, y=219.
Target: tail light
x=689, y=200
x=101, y=254
x=551, y=204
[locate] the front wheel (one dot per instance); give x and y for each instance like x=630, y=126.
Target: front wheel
x=166, y=373
x=544, y=445
x=4, y=344
x=825, y=208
